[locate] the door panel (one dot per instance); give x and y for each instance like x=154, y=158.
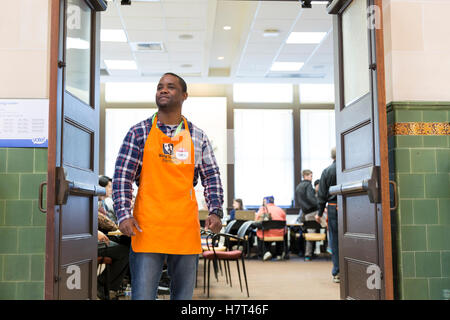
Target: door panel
x=72, y=225
x=358, y=152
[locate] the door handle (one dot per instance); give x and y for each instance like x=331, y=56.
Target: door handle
x=370, y=185
x=65, y=187
x=394, y=185
x=41, y=197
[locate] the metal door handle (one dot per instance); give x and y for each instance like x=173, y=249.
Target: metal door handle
x=394, y=185
x=370, y=185
x=41, y=197
x=65, y=187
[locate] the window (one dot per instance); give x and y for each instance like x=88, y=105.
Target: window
x=130, y=91
x=317, y=132
x=263, y=92
x=117, y=124
x=316, y=93
x=264, y=158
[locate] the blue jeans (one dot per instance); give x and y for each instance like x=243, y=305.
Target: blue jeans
x=146, y=269
x=333, y=235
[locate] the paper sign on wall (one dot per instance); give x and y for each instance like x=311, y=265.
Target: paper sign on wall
x=24, y=123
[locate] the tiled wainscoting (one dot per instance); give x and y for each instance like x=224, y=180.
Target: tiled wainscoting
x=22, y=225
x=420, y=164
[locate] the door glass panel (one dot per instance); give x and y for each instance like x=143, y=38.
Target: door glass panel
x=355, y=51
x=78, y=53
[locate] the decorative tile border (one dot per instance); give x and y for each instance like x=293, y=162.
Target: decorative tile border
x=419, y=129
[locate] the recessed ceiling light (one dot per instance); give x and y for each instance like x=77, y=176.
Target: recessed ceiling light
x=226, y=28
x=286, y=66
x=185, y=36
x=121, y=64
x=220, y=58
x=268, y=33
x=305, y=37
x=112, y=35
x=186, y=65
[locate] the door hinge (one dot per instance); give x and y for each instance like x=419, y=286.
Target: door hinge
x=373, y=66
x=61, y=64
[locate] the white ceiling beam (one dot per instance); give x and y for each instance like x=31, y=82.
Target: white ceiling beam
x=210, y=21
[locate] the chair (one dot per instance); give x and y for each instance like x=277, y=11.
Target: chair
x=243, y=232
x=226, y=256
x=273, y=224
x=315, y=236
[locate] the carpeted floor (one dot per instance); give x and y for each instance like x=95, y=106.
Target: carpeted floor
x=292, y=279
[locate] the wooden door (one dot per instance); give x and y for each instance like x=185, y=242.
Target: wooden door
x=71, y=251
x=361, y=144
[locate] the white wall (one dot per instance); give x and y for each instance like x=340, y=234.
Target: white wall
x=417, y=50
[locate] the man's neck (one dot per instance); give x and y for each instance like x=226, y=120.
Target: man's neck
x=170, y=117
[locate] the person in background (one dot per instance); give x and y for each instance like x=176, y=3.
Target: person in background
x=269, y=211
x=237, y=205
x=316, y=186
x=106, y=202
x=118, y=269
x=327, y=180
x=307, y=201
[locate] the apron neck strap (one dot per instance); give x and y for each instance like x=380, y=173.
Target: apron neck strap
x=177, y=131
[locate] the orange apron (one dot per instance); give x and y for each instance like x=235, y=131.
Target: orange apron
x=166, y=207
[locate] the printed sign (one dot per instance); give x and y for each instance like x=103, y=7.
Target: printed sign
x=24, y=123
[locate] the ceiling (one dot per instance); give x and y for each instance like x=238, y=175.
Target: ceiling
x=247, y=55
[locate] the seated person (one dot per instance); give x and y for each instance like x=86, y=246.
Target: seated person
x=106, y=201
x=237, y=205
x=119, y=267
x=269, y=211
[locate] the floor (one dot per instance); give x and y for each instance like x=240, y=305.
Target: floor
x=292, y=279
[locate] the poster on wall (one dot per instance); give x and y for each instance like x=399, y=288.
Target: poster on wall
x=24, y=123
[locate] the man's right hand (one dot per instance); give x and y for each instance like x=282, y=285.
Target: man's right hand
x=127, y=227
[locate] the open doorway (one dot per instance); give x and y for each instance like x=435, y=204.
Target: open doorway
x=215, y=45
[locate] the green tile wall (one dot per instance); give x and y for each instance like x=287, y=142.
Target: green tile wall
x=22, y=225
x=421, y=226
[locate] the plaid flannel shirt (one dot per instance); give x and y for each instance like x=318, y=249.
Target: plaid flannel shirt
x=129, y=164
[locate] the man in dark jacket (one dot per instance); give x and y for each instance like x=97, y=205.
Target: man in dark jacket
x=327, y=180
x=305, y=196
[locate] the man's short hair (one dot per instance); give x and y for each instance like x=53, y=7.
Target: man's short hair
x=180, y=79
x=306, y=172
x=316, y=182
x=333, y=153
x=104, y=180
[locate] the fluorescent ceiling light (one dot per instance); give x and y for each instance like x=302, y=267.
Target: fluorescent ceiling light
x=113, y=35
x=220, y=58
x=305, y=37
x=121, y=64
x=226, y=28
x=286, y=66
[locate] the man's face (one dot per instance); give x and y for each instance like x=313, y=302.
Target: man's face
x=308, y=177
x=169, y=92
x=109, y=189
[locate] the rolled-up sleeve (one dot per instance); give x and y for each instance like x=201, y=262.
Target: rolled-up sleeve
x=127, y=165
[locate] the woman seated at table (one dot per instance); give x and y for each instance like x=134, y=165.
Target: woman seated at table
x=269, y=211
x=237, y=205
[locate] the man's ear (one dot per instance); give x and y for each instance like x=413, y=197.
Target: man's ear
x=185, y=95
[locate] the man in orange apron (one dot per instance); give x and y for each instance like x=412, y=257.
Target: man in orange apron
x=164, y=155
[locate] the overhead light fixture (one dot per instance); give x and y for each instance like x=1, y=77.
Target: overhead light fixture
x=286, y=66
x=220, y=58
x=226, y=28
x=186, y=65
x=121, y=64
x=271, y=33
x=305, y=37
x=113, y=35
x=186, y=36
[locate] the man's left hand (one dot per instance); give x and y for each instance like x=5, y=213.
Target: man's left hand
x=213, y=223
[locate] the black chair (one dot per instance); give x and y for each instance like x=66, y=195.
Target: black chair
x=245, y=232
x=226, y=256
x=273, y=224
